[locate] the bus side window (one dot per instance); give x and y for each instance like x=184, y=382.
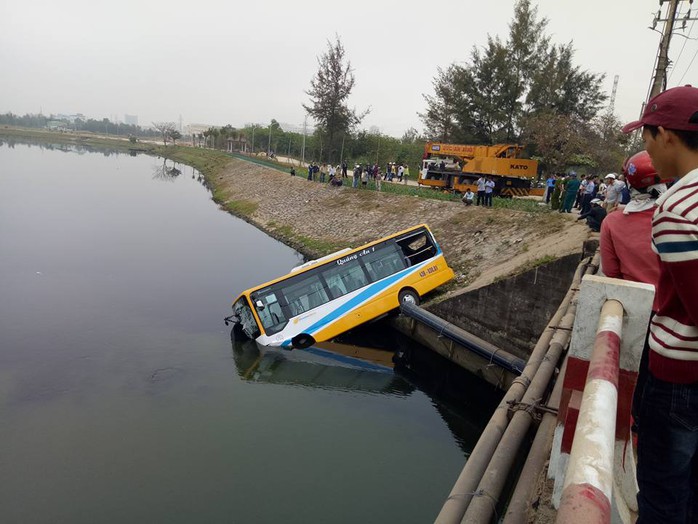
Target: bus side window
x=384, y=261
x=304, y=294
x=355, y=279
x=335, y=284
x=346, y=278
x=317, y=296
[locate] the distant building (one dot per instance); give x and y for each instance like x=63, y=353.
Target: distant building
x=69, y=118
x=56, y=125
x=196, y=129
x=131, y=120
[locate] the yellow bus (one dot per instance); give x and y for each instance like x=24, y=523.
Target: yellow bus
x=324, y=298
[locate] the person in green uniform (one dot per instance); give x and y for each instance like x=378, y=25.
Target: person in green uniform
x=557, y=190
x=571, y=189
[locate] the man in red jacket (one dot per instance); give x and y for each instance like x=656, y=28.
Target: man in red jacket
x=626, y=244
x=668, y=433
x=626, y=234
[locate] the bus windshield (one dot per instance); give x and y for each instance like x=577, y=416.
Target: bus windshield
x=245, y=317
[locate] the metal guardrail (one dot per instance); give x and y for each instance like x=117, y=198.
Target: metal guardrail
x=588, y=487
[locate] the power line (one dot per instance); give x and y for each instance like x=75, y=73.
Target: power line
x=689, y=66
x=676, y=62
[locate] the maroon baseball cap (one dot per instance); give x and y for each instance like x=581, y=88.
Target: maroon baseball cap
x=675, y=108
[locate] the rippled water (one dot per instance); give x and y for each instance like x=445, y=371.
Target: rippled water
x=122, y=396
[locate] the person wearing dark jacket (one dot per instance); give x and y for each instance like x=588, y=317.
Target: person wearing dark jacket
x=595, y=215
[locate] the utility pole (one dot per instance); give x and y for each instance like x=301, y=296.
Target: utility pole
x=659, y=82
x=253, y=126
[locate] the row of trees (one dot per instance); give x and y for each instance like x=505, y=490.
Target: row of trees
x=526, y=89
x=352, y=146
x=91, y=125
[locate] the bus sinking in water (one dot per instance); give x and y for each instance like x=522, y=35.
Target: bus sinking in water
x=324, y=298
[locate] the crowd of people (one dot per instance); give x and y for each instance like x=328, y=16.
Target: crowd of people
x=361, y=174
x=565, y=192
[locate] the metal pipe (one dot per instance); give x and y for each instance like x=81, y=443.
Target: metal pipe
x=539, y=452
x=490, y=487
x=462, y=492
x=467, y=340
x=520, y=502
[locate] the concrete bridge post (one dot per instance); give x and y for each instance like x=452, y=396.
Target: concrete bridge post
x=636, y=300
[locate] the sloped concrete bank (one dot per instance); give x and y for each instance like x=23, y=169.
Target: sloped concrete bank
x=481, y=244
x=512, y=313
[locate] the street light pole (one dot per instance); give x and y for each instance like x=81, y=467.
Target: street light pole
x=341, y=154
x=269, y=143
x=305, y=123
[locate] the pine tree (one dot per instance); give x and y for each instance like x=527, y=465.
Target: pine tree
x=329, y=92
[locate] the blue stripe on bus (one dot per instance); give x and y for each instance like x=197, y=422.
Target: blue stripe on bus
x=373, y=289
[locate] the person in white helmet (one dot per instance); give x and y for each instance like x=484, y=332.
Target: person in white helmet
x=613, y=188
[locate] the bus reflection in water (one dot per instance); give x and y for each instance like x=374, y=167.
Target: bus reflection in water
x=326, y=366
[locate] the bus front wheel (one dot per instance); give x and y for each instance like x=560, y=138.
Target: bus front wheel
x=302, y=341
x=409, y=296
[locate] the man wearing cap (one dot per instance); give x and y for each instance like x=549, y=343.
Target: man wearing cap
x=612, y=192
x=668, y=432
x=595, y=215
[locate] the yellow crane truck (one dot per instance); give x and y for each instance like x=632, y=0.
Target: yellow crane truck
x=457, y=167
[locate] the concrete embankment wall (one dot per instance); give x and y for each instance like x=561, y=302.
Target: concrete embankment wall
x=512, y=313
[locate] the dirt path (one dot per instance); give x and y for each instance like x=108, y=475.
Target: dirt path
x=480, y=244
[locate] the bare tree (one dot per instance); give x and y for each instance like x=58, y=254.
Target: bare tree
x=165, y=129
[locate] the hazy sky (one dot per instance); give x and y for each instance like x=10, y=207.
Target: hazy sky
x=218, y=62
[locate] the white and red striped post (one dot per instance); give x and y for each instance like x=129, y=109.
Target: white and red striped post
x=588, y=487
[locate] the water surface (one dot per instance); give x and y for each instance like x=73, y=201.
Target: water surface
x=122, y=398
